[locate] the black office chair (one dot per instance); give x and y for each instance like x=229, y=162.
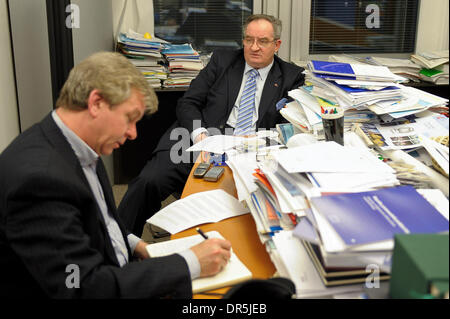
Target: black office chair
x=273, y=288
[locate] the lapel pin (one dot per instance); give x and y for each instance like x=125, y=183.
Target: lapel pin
x=276, y=84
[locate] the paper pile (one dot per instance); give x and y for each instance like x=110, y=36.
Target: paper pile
x=145, y=54
x=184, y=65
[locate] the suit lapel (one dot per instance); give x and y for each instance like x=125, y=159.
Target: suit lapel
x=109, y=198
x=57, y=139
x=234, y=83
x=270, y=91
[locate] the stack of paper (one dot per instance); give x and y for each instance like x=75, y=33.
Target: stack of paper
x=430, y=60
x=434, y=66
x=184, y=65
x=402, y=67
x=290, y=255
x=352, y=169
x=351, y=86
x=438, y=75
x=145, y=54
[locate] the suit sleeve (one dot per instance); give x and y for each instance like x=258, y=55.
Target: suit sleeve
x=46, y=227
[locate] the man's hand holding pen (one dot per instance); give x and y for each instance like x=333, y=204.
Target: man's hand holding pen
x=213, y=254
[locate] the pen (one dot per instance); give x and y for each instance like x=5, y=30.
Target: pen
x=201, y=233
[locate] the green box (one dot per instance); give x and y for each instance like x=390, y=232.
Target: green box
x=419, y=262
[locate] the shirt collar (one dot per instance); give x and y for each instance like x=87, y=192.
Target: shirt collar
x=84, y=152
x=262, y=72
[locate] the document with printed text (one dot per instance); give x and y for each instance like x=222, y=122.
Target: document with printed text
x=200, y=208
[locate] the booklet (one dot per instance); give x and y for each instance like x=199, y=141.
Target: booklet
x=366, y=218
x=234, y=272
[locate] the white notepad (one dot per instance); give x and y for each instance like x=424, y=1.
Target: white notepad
x=234, y=272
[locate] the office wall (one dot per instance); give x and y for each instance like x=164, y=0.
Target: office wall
x=432, y=32
x=94, y=15
x=138, y=15
x=32, y=63
x=9, y=119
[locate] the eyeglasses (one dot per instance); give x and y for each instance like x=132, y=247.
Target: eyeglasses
x=261, y=43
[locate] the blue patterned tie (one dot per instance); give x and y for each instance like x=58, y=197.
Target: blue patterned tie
x=246, y=105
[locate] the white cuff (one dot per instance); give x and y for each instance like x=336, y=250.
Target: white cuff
x=197, y=132
x=192, y=262
x=133, y=241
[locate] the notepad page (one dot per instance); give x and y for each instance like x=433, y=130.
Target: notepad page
x=234, y=272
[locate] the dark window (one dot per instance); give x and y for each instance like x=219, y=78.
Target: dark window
x=369, y=26
x=207, y=24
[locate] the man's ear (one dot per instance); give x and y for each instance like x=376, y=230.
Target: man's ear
x=277, y=45
x=95, y=102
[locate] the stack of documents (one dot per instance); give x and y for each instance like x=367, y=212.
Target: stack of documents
x=352, y=85
x=145, y=54
x=434, y=66
x=347, y=236
x=431, y=60
x=184, y=65
x=351, y=168
x=402, y=67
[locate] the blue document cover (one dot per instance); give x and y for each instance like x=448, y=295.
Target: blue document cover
x=332, y=68
x=368, y=217
x=334, y=77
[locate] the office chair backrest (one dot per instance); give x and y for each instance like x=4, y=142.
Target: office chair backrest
x=273, y=288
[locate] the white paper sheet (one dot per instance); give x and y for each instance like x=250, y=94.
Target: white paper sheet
x=217, y=144
x=329, y=157
x=199, y=208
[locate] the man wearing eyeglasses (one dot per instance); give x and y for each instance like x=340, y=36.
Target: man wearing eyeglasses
x=236, y=92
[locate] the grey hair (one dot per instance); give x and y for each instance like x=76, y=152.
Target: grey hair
x=110, y=73
x=276, y=24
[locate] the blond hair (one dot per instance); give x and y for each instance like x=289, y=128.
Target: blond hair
x=110, y=73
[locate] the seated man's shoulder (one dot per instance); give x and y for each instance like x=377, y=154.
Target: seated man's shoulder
x=289, y=66
x=226, y=55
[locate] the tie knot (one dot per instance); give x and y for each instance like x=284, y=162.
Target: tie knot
x=252, y=73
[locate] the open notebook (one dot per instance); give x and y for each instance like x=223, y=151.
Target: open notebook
x=234, y=272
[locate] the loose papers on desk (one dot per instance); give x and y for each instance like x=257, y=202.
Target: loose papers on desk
x=200, y=208
x=217, y=144
x=329, y=157
x=404, y=134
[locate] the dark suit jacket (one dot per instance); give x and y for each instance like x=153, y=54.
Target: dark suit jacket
x=211, y=96
x=49, y=219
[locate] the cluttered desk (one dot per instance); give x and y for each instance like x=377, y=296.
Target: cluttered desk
x=352, y=195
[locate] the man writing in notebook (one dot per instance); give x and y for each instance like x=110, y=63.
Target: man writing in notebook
x=237, y=91
x=60, y=235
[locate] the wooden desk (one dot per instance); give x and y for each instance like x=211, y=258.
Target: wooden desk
x=240, y=230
